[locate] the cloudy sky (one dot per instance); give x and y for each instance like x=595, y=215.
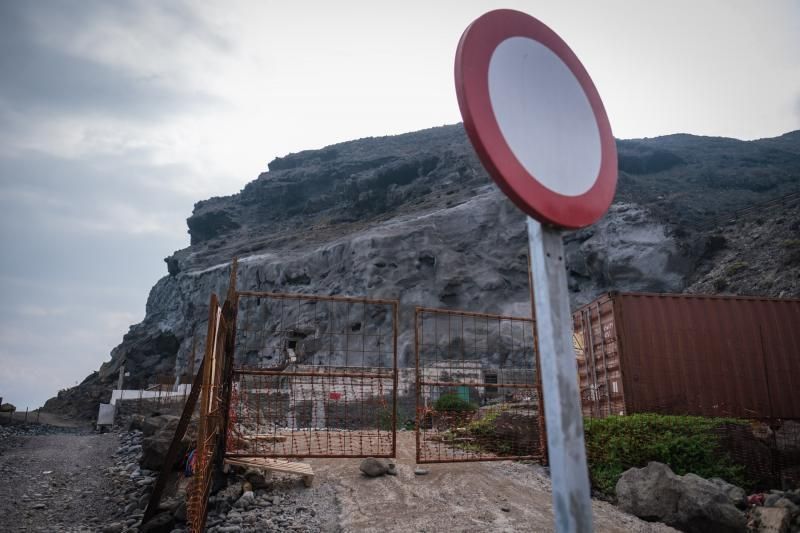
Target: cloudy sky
x=115, y=117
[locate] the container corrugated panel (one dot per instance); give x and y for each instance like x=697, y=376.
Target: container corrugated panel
x=692, y=354
x=599, y=371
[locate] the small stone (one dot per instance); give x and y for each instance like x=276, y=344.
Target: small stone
x=160, y=522
x=420, y=471
x=246, y=500
x=255, y=477
x=38, y=506
x=276, y=500
x=114, y=527
x=180, y=511
x=391, y=469
x=373, y=467
x=505, y=509
x=787, y=504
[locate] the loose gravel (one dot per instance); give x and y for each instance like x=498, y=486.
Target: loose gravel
x=53, y=479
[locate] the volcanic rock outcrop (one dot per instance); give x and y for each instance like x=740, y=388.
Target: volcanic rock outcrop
x=415, y=217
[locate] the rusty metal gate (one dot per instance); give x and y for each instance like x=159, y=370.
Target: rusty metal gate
x=314, y=376
x=478, y=394
x=212, y=413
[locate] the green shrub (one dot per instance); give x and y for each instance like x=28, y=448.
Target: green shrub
x=454, y=402
x=735, y=268
x=685, y=443
x=484, y=427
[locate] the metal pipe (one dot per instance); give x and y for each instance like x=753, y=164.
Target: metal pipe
x=418, y=427
x=566, y=448
x=309, y=455
x=476, y=384
x=394, y=374
x=537, y=355
x=257, y=372
x=436, y=310
x=482, y=459
x=285, y=296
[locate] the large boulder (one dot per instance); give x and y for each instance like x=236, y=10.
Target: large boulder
x=736, y=494
x=689, y=503
x=154, y=450
x=158, y=432
x=154, y=424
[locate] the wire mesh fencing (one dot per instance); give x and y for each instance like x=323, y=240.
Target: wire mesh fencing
x=478, y=390
x=315, y=376
x=212, y=419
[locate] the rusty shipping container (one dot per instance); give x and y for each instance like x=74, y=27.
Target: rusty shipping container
x=689, y=354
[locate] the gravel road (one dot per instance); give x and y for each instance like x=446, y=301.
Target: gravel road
x=55, y=482
x=499, y=496
x=70, y=479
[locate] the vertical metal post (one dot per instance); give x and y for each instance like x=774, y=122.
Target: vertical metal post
x=26, y=414
x=395, y=326
x=418, y=387
x=568, y=472
x=538, y=355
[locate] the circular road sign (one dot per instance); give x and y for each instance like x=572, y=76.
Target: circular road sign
x=536, y=119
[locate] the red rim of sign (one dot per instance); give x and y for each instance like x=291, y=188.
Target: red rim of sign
x=475, y=50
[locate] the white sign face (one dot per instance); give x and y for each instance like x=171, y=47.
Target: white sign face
x=544, y=116
x=536, y=120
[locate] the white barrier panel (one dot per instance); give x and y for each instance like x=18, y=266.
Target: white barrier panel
x=105, y=415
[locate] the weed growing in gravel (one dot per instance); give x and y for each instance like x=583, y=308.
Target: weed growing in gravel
x=685, y=443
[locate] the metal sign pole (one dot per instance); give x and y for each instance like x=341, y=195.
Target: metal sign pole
x=562, y=409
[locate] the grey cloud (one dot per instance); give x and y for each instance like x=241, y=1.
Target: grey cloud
x=48, y=205
x=70, y=294
x=35, y=77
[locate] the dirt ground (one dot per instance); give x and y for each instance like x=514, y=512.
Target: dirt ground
x=455, y=497
x=55, y=482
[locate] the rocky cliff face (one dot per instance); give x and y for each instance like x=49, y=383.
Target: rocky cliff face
x=415, y=217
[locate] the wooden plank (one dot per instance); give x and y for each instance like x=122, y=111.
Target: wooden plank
x=264, y=438
x=174, y=447
x=302, y=469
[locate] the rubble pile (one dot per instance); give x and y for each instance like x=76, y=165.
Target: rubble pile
x=693, y=504
x=248, y=500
